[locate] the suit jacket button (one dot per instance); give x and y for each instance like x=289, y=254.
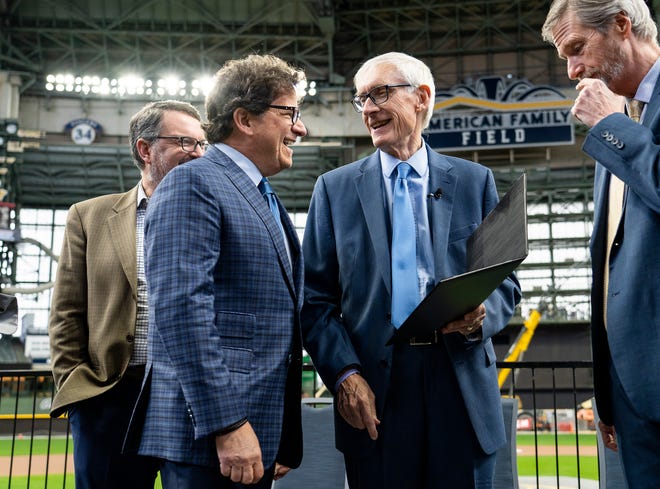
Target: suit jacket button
x=620, y=145
x=605, y=133
x=130, y=338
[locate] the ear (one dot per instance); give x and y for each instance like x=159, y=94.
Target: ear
x=243, y=121
x=144, y=150
x=622, y=25
x=424, y=97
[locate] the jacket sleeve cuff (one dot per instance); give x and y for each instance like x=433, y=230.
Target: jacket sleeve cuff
x=231, y=427
x=346, y=374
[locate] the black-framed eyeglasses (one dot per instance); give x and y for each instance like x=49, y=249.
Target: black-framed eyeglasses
x=295, y=111
x=378, y=95
x=188, y=144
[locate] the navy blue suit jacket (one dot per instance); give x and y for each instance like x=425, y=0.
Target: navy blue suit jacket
x=348, y=284
x=632, y=341
x=224, y=324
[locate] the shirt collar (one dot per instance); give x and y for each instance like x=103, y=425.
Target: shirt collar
x=645, y=88
x=141, y=195
x=243, y=162
x=419, y=161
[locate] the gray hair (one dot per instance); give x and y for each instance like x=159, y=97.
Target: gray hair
x=251, y=83
x=599, y=15
x=411, y=69
x=147, y=122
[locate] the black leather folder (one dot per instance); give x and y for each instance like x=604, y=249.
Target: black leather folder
x=494, y=251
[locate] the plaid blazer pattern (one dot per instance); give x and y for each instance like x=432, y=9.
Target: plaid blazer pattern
x=224, y=330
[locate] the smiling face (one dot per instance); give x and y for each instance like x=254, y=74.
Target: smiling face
x=271, y=136
x=396, y=125
x=161, y=155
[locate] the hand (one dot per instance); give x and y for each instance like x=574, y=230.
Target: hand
x=595, y=102
x=356, y=403
x=608, y=434
x=280, y=471
x=239, y=454
x=470, y=323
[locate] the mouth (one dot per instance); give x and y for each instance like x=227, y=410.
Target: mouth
x=375, y=125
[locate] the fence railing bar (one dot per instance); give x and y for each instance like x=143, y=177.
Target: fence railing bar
x=543, y=390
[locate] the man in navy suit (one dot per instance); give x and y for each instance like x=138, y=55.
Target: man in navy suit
x=611, y=48
x=220, y=406
x=423, y=414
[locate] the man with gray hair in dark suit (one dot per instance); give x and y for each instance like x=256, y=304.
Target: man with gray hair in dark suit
x=611, y=48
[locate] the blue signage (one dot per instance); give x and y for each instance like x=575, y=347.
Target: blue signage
x=83, y=131
x=494, y=115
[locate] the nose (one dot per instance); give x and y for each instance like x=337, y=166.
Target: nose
x=299, y=128
x=368, y=106
x=574, y=68
x=199, y=151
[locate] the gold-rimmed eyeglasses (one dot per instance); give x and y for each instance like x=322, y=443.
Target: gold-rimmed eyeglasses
x=378, y=95
x=295, y=111
x=188, y=144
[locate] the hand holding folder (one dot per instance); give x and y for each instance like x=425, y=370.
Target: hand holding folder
x=494, y=251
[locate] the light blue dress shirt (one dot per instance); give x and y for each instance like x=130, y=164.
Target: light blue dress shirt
x=251, y=170
x=418, y=184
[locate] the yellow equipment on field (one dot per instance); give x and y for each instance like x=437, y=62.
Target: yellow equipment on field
x=519, y=347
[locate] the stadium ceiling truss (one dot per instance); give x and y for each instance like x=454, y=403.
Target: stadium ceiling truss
x=328, y=39
x=461, y=40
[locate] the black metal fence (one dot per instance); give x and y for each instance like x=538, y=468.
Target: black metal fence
x=35, y=449
x=555, y=432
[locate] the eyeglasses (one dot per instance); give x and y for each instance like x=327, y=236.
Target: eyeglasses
x=295, y=111
x=378, y=95
x=188, y=144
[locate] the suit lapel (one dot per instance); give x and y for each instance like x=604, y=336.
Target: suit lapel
x=296, y=251
x=653, y=108
x=369, y=185
x=601, y=189
x=251, y=193
x=440, y=209
x=122, y=230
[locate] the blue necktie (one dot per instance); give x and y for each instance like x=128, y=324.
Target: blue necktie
x=267, y=191
x=405, y=287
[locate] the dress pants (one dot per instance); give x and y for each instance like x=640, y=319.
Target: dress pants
x=425, y=439
x=98, y=426
x=185, y=476
x=638, y=440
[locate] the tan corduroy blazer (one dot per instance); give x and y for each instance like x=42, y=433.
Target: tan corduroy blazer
x=94, y=304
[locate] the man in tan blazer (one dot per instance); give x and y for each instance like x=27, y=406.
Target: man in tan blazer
x=98, y=320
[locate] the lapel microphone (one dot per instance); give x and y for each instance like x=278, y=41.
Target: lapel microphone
x=435, y=195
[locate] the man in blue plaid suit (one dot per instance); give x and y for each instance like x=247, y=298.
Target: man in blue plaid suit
x=220, y=404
